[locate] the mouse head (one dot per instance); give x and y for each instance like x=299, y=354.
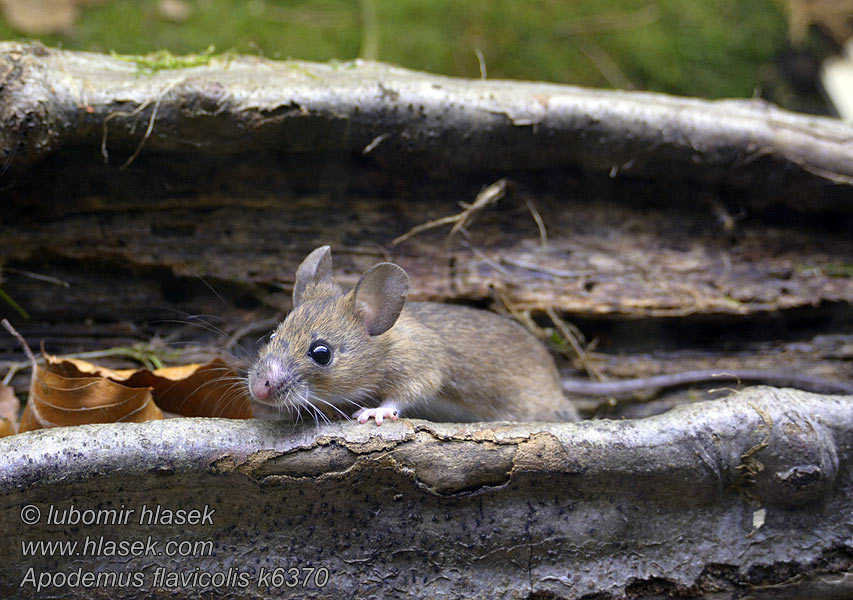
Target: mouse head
x=329, y=353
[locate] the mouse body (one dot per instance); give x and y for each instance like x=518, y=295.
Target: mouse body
x=370, y=354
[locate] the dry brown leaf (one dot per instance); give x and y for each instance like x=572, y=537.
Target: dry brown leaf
x=213, y=389
x=6, y=427
x=210, y=390
x=9, y=407
x=57, y=399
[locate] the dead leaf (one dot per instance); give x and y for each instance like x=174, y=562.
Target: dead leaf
x=38, y=17
x=9, y=403
x=213, y=389
x=56, y=400
x=9, y=407
x=209, y=390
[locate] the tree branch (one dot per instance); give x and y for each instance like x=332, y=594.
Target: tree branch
x=746, y=494
x=403, y=119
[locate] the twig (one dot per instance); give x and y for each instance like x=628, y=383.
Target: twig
x=369, y=30
x=522, y=317
x=543, y=233
x=8, y=326
x=38, y=277
x=460, y=221
x=423, y=227
x=488, y=196
x=132, y=113
x=104, y=152
x=574, y=337
x=542, y=269
x=375, y=142
x=147, y=358
x=149, y=129
x=610, y=23
x=481, y=61
x=569, y=332
x=602, y=61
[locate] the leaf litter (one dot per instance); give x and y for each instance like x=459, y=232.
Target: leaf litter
x=69, y=391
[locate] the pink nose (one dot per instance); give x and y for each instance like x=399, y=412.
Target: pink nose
x=261, y=389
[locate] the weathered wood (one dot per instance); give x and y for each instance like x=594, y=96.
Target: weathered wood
x=748, y=495
x=402, y=119
x=611, y=251
x=624, y=247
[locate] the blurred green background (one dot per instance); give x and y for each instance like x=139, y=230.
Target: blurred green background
x=706, y=48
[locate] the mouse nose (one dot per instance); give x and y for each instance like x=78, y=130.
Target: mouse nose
x=269, y=376
x=261, y=388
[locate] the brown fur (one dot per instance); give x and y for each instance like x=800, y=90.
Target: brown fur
x=436, y=361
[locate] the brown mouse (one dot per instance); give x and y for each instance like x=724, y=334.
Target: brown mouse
x=340, y=352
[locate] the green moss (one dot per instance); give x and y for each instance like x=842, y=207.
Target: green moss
x=710, y=48
x=840, y=270
x=163, y=59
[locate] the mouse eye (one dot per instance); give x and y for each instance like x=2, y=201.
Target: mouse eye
x=320, y=352
x=272, y=336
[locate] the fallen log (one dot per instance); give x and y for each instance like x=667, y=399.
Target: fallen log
x=749, y=494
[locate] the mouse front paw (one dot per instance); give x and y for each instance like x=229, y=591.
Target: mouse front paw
x=378, y=414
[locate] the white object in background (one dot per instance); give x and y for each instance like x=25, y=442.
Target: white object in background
x=837, y=78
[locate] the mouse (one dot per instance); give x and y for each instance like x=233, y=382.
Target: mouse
x=367, y=353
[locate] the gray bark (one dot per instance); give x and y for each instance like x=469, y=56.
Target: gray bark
x=750, y=494
x=605, y=256
x=403, y=119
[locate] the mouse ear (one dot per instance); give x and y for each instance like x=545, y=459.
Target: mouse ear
x=315, y=268
x=380, y=295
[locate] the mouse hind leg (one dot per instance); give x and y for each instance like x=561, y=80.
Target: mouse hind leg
x=548, y=405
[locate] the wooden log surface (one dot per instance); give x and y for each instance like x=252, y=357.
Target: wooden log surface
x=743, y=496
x=400, y=118
x=635, y=249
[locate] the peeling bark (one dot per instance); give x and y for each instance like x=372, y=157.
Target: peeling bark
x=620, y=247
x=736, y=495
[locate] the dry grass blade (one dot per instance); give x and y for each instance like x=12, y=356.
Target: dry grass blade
x=461, y=220
x=569, y=332
x=574, y=337
x=540, y=224
x=487, y=197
